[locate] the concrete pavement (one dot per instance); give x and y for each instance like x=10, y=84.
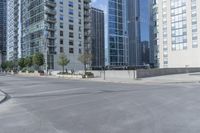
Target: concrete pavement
x=48, y=105
x=178, y=78
x=3, y=96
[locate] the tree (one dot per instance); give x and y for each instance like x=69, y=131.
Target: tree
x=10, y=65
x=85, y=59
x=63, y=61
x=21, y=63
x=28, y=61
x=3, y=66
x=7, y=65
x=38, y=59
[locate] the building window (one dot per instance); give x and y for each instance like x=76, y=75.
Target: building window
x=61, y=50
x=61, y=41
x=61, y=2
x=71, y=50
x=61, y=17
x=71, y=42
x=61, y=25
x=179, y=27
x=80, y=51
x=61, y=9
x=61, y=33
x=71, y=4
x=71, y=34
x=71, y=27
x=71, y=19
x=71, y=11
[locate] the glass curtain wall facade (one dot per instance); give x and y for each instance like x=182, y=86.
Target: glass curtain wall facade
x=117, y=33
x=133, y=17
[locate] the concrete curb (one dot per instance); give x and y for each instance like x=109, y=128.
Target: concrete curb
x=3, y=96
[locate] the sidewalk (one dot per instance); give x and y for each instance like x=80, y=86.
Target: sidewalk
x=167, y=79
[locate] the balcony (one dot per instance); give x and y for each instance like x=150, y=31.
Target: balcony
x=51, y=37
x=50, y=3
x=51, y=12
x=51, y=20
x=50, y=28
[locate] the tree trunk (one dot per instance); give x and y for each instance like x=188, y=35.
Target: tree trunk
x=63, y=69
x=85, y=68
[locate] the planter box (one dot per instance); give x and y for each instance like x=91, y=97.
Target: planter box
x=35, y=74
x=70, y=76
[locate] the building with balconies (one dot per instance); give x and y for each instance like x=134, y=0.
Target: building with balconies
x=13, y=43
x=53, y=27
x=2, y=30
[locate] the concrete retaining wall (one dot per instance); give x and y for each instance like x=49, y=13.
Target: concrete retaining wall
x=165, y=71
x=115, y=74
x=143, y=73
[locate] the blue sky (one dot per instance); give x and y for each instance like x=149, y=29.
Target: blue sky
x=102, y=4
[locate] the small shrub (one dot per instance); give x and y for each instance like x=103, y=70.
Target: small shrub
x=63, y=73
x=31, y=70
x=41, y=71
x=24, y=70
x=88, y=75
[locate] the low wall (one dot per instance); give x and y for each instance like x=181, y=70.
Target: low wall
x=120, y=74
x=165, y=71
x=143, y=73
x=29, y=74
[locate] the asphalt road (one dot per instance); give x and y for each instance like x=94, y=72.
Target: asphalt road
x=42, y=105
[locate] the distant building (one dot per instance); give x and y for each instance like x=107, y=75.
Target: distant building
x=153, y=33
x=145, y=52
x=133, y=13
x=52, y=27
x=2, y=30
x=97, y=35
x=177, y=31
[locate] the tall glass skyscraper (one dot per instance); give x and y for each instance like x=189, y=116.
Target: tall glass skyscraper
x=133, y=13
x=2, y=30
x=123, y=33
x=118, y=33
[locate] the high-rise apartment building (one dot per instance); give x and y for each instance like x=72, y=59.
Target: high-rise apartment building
x=13, y=29
x=2, y=30
x=123, y=33
x=153, y=59
x=52, y=27
x=97, y=38
x=177, y=29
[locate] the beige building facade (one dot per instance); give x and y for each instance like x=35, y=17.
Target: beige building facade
x=177, y=31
